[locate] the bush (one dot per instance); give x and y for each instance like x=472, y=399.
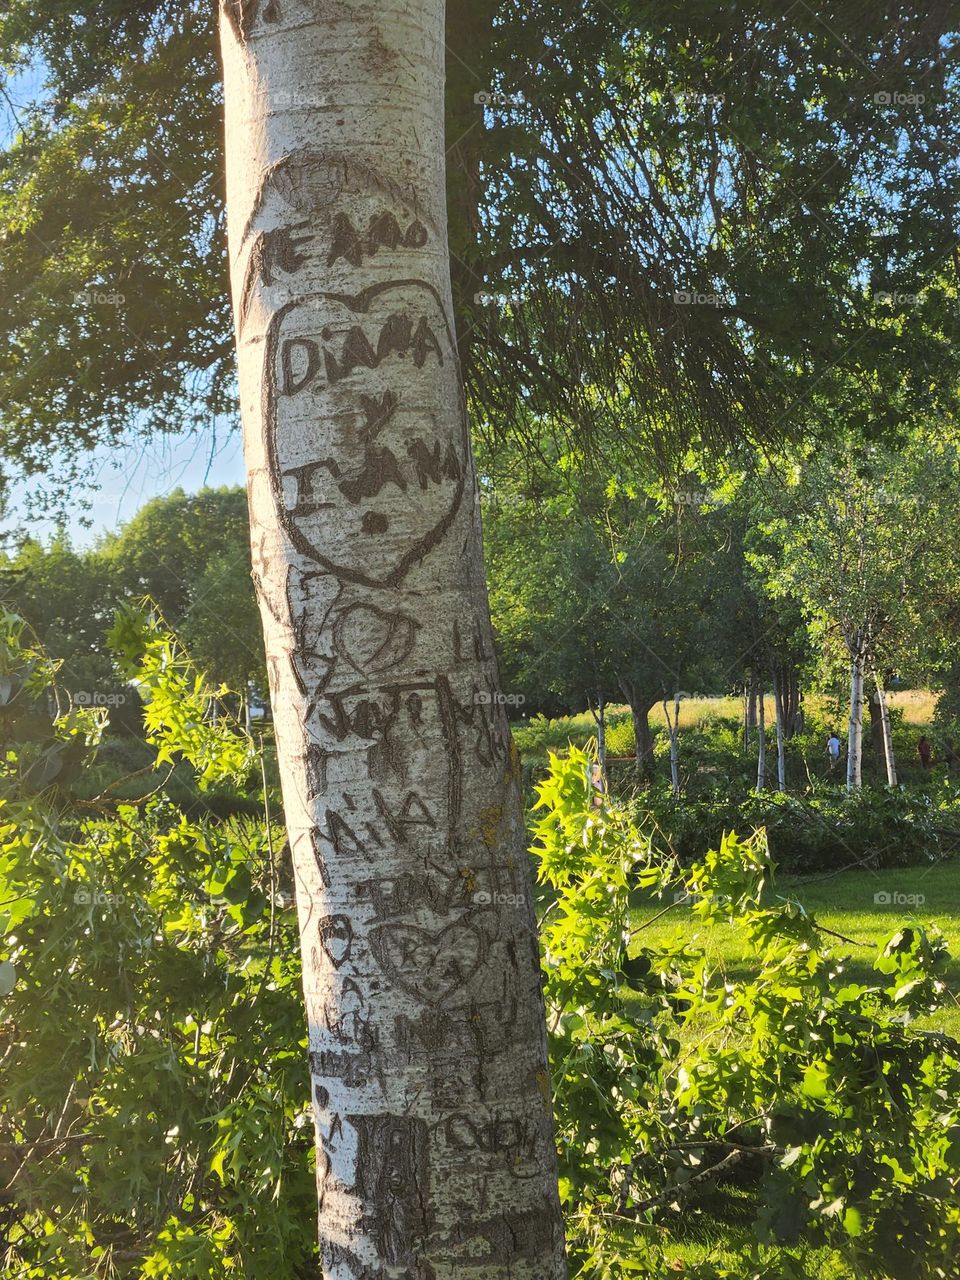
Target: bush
x=796, y=1101
x=814, y=833
x=154, y=1115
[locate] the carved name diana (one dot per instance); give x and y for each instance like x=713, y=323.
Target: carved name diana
x=365, y=429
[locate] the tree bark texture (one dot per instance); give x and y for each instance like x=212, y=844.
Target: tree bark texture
x=401, y=787
x=886, y=735
x=855, y=727
x=779, y=700
x=761, y=740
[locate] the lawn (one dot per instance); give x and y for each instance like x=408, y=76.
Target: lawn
x=846, y=904
x=866, y=907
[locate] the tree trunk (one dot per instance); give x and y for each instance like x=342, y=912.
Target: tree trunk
x=885, y=733
x=644, y=737
x=791, y=703
x=876, y=725
x=673, y=729
x=435, y=1149
x=779, y=689
x=599, y=713
x=761, y=742
x=752, y=704
x=855, y=730
x=746, y=719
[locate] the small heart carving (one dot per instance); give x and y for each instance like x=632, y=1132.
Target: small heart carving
x=336, y=937
x=430, y=966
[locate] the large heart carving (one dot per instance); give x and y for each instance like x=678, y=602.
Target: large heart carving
x=360, y=394
x=430, y=966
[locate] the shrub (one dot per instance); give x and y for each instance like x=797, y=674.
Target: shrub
x=814, y=833
x=804, y=1097
x=153, y=1115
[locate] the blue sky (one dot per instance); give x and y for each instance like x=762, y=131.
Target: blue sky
x=123, y=479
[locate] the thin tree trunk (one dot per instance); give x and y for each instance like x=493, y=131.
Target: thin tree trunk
x=887, y=737
x=599, y=713
x=791, y=703
x=435, y=1150
x=855, y=729
x=761, y=741
x=673, y=729
x=779, y=712
x=746, y=719
x=752, y=704
x=876, y=725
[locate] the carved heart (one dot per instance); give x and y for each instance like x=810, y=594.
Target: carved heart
x=336, y=937
x=369, y=495
x=372, y=640
x=430, y=966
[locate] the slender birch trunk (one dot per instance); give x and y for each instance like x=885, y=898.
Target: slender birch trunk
x=752, y=704
x=886, y=734
x=673, y=730
x=435, y=1149
x=746, y=720
x=761, y=741
x=855, y=727
x=779, y=709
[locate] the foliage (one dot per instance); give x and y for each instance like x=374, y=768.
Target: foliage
x=152, y=1102
x=631, y=152
x=189, y=553
x=811, y=1095
x=823, y=831
x=178, y=706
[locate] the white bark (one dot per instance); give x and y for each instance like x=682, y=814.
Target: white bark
x=761, y=741
x=888, y=756
x=855, y=727
x=778, y=710
x=673, y=732
x=401, y=786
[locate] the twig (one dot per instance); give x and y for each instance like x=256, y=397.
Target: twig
x=671, y=1193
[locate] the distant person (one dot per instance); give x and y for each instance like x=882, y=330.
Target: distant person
x=924, y=750
x=833, y=749
x=950, y=755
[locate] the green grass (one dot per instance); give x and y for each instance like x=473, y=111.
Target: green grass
x=844, y=904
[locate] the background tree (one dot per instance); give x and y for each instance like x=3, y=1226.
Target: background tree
x=864, y=543
x=622, y=156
